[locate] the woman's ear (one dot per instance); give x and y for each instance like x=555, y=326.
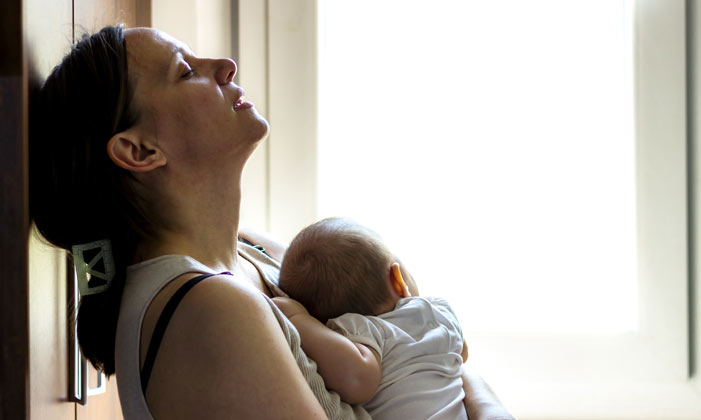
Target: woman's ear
x=128, y=150
x=397, y=282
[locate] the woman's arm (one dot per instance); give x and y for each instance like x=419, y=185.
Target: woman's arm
x=224, y=356
x=351, y=369
x=481, y=402
x=273, y=248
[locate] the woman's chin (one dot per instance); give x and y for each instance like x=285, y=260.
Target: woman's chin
x=263, y=129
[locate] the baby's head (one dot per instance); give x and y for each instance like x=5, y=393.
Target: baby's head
x=337, y=266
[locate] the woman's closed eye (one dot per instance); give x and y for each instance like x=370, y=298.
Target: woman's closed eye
x=186, y=73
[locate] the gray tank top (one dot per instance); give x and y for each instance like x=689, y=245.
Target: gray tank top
x=146, y=279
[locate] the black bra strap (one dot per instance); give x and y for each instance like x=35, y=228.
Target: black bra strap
x=162, y=324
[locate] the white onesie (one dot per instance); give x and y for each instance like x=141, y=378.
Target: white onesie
x=419, y=344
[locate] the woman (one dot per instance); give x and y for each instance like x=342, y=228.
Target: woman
x=135, y=140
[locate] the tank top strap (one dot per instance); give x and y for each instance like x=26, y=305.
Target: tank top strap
x=162, y=324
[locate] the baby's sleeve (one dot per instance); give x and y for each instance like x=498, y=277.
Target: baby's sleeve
x=359, y=329
x=447, y=316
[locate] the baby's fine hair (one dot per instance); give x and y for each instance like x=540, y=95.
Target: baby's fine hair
x=336, y=266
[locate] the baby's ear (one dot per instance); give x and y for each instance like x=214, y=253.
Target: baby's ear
x=397, y=281
x=130, y=151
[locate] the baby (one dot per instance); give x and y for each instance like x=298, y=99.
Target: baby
x=374, y=343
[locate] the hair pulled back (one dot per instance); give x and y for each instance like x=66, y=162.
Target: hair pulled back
x=77, y=194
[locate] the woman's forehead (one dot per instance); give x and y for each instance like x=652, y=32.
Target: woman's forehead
x=151, y=49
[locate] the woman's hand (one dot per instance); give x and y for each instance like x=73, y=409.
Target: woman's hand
x=290, y=307
x=480, y=401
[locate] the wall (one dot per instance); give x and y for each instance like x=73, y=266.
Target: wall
x=694, y=141
x=205, y=25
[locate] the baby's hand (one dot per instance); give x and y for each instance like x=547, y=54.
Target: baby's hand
x=289, y=307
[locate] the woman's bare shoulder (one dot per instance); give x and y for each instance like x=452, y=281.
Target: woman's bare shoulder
x=224, y=352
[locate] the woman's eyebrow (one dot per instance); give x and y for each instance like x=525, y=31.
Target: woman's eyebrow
x=184, y=50
x=178, y=54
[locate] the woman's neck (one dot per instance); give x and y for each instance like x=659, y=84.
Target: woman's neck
x=206, y=228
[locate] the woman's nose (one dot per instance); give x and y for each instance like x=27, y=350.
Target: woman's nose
x=226, y=70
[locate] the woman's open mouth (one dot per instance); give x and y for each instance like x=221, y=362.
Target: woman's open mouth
x=242, y=104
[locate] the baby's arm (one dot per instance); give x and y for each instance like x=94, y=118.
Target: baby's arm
x=351, y=369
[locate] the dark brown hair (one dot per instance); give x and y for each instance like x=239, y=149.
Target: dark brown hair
x=77, y=194
x=336, y=266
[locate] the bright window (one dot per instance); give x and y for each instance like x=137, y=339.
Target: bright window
x=498, y=132
x=548, y=136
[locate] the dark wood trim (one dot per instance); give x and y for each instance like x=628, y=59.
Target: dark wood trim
x=11, y=38
x=14, y=217
x=70, y=327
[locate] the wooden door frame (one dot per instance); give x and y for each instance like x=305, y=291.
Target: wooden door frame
x=14, y=215
x=14, y=207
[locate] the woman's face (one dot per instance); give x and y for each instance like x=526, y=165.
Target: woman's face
x=189, y=105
